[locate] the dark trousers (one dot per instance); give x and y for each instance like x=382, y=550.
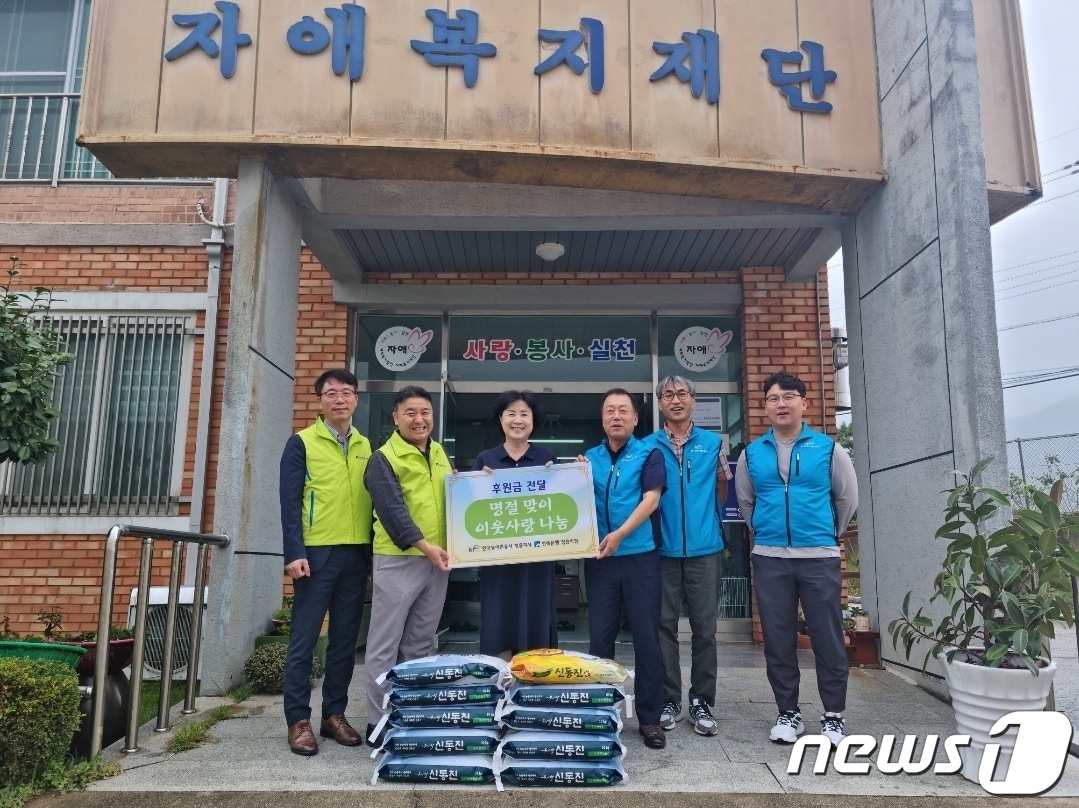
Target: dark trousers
x=337, y=585
x=633, y=582
x=694, y=579
x=780, y=583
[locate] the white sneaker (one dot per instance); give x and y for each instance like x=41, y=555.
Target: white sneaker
x=703, y=721
x=831, y=727
x=788, y=727
x=672, y=712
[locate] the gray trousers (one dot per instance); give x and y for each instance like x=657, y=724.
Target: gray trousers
x=695, y=580
x=406, y=604
x=780, y=583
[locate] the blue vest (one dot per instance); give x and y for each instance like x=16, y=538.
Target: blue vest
x=688, y=509
x=618, y=492
x=799, y=513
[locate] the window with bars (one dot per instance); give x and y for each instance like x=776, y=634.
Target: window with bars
x=123, y=421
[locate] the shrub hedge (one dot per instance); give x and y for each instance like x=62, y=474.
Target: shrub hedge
x=265, y=669
x=39, y=714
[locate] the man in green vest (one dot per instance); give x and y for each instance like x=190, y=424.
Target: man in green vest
x=326, y=520
x=406, y=478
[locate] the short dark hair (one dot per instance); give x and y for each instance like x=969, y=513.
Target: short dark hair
x=786, y=381
x=621, y=391
x=508, y=397
x=412, y=391
x=338, y=375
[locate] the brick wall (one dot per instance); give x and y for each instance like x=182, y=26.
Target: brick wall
x=104, y=204
x=785, y=326
x=779, y=326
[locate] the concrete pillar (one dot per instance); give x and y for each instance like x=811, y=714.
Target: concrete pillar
x=924, y=370
x=256, y=418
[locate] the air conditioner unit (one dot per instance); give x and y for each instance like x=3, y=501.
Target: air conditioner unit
x=154, y=649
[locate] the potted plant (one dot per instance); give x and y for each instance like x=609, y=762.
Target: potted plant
x=1004, y=590
x=281, y=618
x=121, y=646
x=859, y=619
x=43, y=646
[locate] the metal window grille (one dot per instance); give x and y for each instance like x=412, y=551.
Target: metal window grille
x=733, y=601
x=120, y=431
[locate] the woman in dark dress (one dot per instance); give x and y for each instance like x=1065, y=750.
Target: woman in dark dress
x=517, y=601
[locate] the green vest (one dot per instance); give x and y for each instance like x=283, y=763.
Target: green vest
x=424, y=489
x=336, y=506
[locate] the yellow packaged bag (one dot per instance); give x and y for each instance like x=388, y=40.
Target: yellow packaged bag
x=555, y=666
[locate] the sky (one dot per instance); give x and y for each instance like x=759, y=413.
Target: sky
x=1036, y=251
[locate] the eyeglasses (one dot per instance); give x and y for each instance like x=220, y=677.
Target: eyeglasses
x=681, y=395
x=334, y=395
x=786, y=398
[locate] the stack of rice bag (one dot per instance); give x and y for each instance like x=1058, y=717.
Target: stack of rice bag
x=561, y=713
x=442, y=726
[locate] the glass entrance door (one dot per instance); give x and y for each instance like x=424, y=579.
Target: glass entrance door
x=569, y=426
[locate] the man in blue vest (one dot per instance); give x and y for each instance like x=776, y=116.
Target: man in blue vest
x=697, y=475
x=797, y=491
x=326, y=521
x=627, y=478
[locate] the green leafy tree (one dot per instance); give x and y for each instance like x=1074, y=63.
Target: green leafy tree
x=845, y=435
x=1005, y=589
x=31, y=354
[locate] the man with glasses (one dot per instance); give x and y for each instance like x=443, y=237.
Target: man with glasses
x=326, y=522
x=797, y=491
x=697, y=475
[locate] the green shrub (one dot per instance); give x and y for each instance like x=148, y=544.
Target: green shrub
x=265, y=669
x=39, y=714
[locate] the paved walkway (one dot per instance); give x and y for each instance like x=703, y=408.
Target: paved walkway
x=247, y=759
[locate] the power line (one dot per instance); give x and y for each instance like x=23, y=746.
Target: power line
x=1054, y=137
x=1039, y=322
x=1050, y=199
x=1040, y=280
x=1048, y=377
x=1062, y=168
x=999, y=281
x=1061, y=177
x=1035, y=291
x=1031, y=263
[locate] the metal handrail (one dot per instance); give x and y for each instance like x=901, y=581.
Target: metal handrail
x=104, y=621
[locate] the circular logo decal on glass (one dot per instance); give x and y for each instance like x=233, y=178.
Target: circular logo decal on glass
x=699, y=348
x=399, y=348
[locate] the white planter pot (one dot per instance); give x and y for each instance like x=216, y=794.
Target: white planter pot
x=861, y=622
x=981, y=695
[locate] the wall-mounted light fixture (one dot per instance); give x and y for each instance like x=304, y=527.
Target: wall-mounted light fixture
x=550, y=250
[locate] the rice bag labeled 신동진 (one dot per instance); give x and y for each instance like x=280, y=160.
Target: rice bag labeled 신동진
x=526, y=745
x=560, y=773
x=444, y=696
x=600, y=720
x=554, y=666
x=444, y=669
x=440, y=741
x=559, y=695
x=465, y=769
x=463, y=715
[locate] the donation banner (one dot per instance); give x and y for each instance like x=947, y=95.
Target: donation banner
x=509, y=516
